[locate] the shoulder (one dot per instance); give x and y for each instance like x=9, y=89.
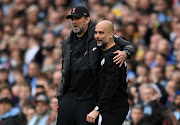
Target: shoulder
x=91, y=30
x=118, y=39
x=68, y=39
x=92, y=25
x=33, y=120
x=109, y=53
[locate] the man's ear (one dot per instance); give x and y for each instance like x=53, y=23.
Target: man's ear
x=111, y=34
x=87, y=20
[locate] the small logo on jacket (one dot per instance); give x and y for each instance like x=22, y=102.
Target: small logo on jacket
x=94, y=48
x=102, y=61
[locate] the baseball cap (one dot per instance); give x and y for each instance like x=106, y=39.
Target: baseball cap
x=41, y=97
x=79, y=11
x=6, y=100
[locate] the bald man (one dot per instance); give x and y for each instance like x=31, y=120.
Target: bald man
x=112, y=104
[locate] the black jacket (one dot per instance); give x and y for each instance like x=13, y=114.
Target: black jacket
x=93, y=54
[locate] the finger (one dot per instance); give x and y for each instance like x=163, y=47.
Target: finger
x=117, y=56
x=90, y=119
x=87, y=118
x=116, y=60
x=116, y=52
x=121, y=63
x=93, y=121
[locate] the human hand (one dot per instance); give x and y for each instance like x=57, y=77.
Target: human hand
x=120, y=57
x=91, y=117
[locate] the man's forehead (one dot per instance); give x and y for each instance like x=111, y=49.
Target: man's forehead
x=102, y=25
x=100, y=28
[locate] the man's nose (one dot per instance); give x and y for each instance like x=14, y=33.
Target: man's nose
x=74, y=20
x=95, y=36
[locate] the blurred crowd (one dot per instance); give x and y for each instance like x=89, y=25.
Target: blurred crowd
x=30, y=57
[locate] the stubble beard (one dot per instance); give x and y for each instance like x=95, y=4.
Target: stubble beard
x=104, y=43
x=79, y=30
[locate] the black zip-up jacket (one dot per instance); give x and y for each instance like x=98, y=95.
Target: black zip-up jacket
x=93, y=53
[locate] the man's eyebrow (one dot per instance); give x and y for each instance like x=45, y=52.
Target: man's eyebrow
x=99, y=31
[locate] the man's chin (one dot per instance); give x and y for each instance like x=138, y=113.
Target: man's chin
x=99, y=45
x=76, y=31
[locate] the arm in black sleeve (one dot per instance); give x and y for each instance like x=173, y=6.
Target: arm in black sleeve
x=112, y=77
x=125, y=46
x=61, y=86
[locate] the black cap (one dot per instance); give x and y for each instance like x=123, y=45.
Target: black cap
x=6, y=100
x=79, y=11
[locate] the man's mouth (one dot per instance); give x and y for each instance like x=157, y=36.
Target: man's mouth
x=99, y=40
x=75, y=27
